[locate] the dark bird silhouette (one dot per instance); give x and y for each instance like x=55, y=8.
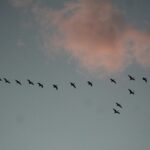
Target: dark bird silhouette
x=119, y=105
x=0, y=79
x=90, y=83
x=55, y=86
x=116, y=111
x=144, y=79
x=131, y=91
x=30, y=82
x=18, y=82
x=6, y=80
x=40, y=85
x=73, y=84
x=113, y=81
x=131, y=77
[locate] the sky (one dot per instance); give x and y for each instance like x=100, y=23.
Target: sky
x=63, y=41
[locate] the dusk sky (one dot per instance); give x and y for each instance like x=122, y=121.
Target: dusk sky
x=62, y=41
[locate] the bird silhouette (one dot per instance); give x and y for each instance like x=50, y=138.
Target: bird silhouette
x=131, y=77
x=131, y=91
x=6, y=80
x=116, y=111
x=40, y=85
x=119, y=105
x=90, y=83
x=144, y=79
x=55, y=86
x=30, y=82
x=0, y=79
x=73, y=84
x=113, y=81
x=18, y=82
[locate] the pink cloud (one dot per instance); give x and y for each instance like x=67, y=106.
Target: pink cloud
x=140, y=47
x=95, y=33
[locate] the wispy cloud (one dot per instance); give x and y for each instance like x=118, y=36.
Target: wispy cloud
x=95, y=33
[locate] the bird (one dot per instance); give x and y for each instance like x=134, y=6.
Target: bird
x=18, y=82
x=144, y=79
x=55, y=86
x=6, y=80
x=90, y=83
x=113, y=81
x=30, y=82
x=40, y=85
x=131, y=77
x=131, y=91
x=116, y=111
x=0, y=79
x=119, y=105
x=73, y=84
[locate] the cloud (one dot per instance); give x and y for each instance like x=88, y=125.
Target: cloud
x=95, y=33
x=140, y=46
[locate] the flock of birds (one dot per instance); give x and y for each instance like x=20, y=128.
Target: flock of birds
x=55, y=86
x=131, y=92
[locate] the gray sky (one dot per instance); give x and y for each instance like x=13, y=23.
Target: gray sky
x=32, y=118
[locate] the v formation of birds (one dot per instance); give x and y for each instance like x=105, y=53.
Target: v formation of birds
x=73, y=85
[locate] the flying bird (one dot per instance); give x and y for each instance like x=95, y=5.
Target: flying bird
x=131, y=91
x=131, y=77
x=144, y=79
x=119, y=105
x=90, y=83
x=6, y=80
x=113, y=81
x=73, y=84
x=55, y=86
x=30, y=82
x=40, y=85
x=18, y=82
x=116, y=111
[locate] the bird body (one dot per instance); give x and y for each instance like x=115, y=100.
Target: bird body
x=131, y=77
x=131, y=91
x=18, y=82
x=113, y=81
x=6, y=80
x=90, y=83
x=30, y=82
x=116, y=111
x=144, y=79
x=73, y=84
x=40, y=85
x=119, y=105
x=55, y=86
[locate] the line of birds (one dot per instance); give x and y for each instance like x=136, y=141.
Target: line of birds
x=55, y=86
x=131, y=78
